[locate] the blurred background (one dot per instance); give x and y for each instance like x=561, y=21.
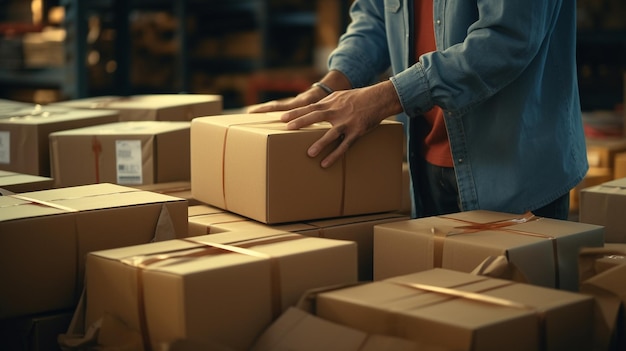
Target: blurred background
x=247, y=51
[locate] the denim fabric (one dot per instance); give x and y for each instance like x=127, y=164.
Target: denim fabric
x=505, y=75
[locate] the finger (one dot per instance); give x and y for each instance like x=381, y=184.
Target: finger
x=302, y=117
x=264, y=107
x=336, y=154
x=330, y=137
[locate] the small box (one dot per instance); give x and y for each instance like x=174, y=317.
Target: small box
x=24, y=135
x=619, y=171
x=202, y=290
x=462, y=311
x=252, y=165
x=604, y=205
x=544, y=250
x=153, y=107
x=45, y=236
x=125, y=153
x=21, y=183
x=594, y=176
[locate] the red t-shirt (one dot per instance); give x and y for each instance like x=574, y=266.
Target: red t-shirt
x=436, y=145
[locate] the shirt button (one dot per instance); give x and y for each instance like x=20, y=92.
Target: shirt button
x=438, y=22
x=460, y=160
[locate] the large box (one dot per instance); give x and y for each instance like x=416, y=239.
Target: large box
x=594, y=176
x=21, y=183
x=545, y=250
x=24, y=143
x=604, y=205
x=461, y=311
x=125, y=153
x=153, y=107
x=45, y=236
x=297, y=330
x=208, y=291
x=251, y=164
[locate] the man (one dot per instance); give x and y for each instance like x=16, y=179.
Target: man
x=492, y=110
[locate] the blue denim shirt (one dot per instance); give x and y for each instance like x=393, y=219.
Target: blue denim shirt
x=505, y=75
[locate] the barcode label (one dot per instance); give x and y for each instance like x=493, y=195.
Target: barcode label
x=129, y=162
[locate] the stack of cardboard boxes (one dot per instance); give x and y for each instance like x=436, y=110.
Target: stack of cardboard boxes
x=262, y=249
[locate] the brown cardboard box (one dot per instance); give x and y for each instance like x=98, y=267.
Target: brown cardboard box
x=252, y=165
x=297, y=330
x=544, y=250
x=608, y=287
x=202, y=290
x=125, y=153
x=153, y=107
x=594, y=176
x=21, y=183
x=601, y=151
x=24, y=144
x=359, y=229
x=619, y=171
x=180, y=189
x=45, y=236
x=604, y=205
x=462, y=311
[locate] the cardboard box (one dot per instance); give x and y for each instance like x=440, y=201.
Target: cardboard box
x=601, y=151
x=359, y=229
x=201, y=290
x=297, y=330
x=608, y=288
x=604, y=205
x=153, y=107
x=45, y=236
x=24, y=143
x=545, y=250
x=9, y=107
x=619, y=171
x=594, y=176
x=180, y=189
x=461, y=311
x=252, y=165
x=125, y=153
x=21, y=183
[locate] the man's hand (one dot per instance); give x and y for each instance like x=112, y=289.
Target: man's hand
x=352, y=114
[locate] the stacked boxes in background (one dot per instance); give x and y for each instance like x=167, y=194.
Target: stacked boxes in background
x=24, y=143
x=153, y=107
x=125, y=153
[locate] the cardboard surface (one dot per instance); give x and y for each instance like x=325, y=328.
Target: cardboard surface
x=180, y=281
x=297, y=330
x=153, y=107
x=24, y=146
x=252, y=165
x=461, y=311
x=125, y=153
x=45, y=236
x=404, y=247
x=604, y=205
x=20, y=183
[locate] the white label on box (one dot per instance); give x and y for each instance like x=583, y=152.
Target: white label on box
x=128, y=160
x=5, y=147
